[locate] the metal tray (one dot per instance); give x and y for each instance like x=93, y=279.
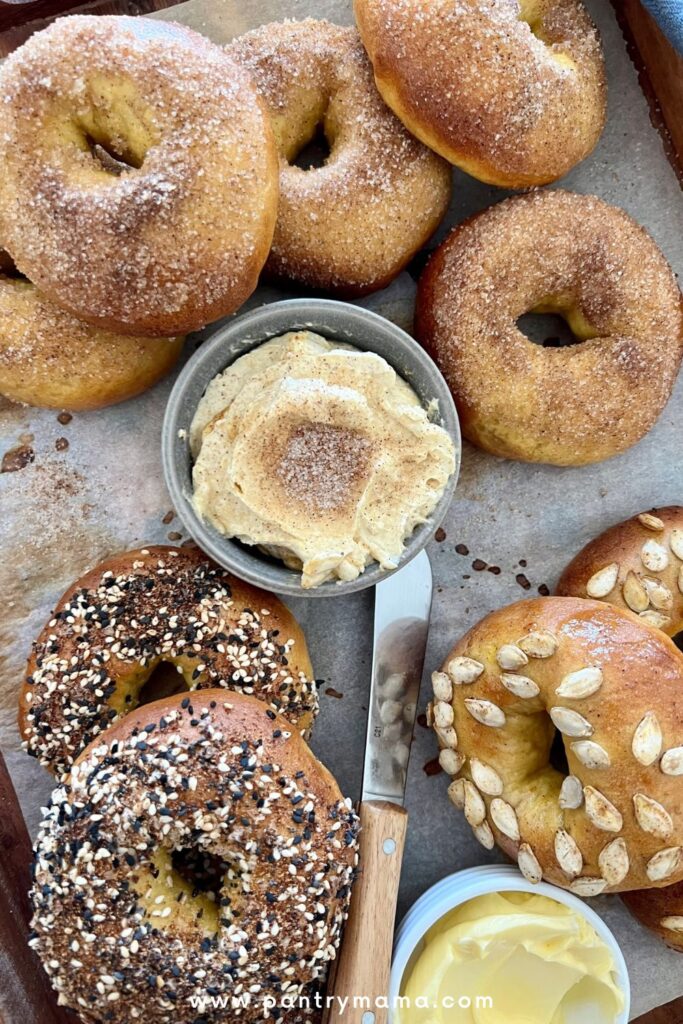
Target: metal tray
x=71, y=506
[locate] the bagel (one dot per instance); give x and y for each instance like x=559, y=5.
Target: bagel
x=214, y=780
x=353, y=224
x=660, y=910
x=637, y=565
x=116, y=624
x=563, y=253
x=514, y=97
x=50, y=359
x=614, y=820
x=139, y=184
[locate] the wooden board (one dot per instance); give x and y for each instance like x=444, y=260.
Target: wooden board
x=660, y=68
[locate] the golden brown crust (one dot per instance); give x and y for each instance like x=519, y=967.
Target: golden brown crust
x=513, y=100
x=577, y=255
x=50, y=359
x=586, y=669
x=637, y=565
x=352, y=225
x=176, y=234
x=137, y=609
x=614, y=566
x=215, y=775
x=660, y=910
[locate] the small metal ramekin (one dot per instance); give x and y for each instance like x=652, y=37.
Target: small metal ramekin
x=337, y=321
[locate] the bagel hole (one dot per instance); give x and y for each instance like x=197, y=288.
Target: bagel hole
x=204, y=872
x=165, y=681
x=549, y=330
x=315, y=153
x=558, y=754
x=109, y=158
x=8, y=267
x=678, y=640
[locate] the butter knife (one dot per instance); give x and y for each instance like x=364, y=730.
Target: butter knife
x=360, y=984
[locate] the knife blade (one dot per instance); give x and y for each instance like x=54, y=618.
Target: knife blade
x=402, y=606
x=358, y=991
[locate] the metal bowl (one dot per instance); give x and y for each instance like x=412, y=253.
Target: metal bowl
x=337, y=321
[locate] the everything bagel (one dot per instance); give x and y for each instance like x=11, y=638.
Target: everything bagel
x=132, y=612
x=217, y=780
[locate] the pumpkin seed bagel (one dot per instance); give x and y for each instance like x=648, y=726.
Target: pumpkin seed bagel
x=221, y=783
x=553, y=252
x=512, y=92
x=117, y=623
x=638, y=564
x=50, y=359
x=139, y=173
x=351, y=225
x=614, y=819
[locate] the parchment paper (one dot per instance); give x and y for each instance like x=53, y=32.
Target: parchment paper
x=66, y=509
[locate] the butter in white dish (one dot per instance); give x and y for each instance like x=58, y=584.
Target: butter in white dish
x=318, y=453
x=506, y=957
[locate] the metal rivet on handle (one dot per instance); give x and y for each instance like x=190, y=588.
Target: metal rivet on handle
x=389, y=847
x=369, y=1017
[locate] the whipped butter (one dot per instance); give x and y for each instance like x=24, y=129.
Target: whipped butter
x=319, y=454
x=511, y=958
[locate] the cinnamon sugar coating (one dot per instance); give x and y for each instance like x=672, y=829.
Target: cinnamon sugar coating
x=353, y=224
x=119, y=621
x=50, y=359
x=512, y=91
x=562, y=252
x=139, y=186
x=125, y=934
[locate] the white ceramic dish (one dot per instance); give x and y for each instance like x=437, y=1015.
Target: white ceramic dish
x=454, y=890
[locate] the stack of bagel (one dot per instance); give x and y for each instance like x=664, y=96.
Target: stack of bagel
x=146, y=184
x=194, y=839
x=150, y=177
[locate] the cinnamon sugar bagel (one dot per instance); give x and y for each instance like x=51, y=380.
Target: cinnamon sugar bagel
x=214, y=781
x=563, y=253
x=121, y=620
x=514, y=93
x=351, y=225
x=638, y=565
x=614, y=820
x=49, y=358
x=139, y=184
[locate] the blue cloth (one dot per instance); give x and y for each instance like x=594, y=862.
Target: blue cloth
x=669, y=14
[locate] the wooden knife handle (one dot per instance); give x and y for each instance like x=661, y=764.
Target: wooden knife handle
x=25, y=991
x=363, y=966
